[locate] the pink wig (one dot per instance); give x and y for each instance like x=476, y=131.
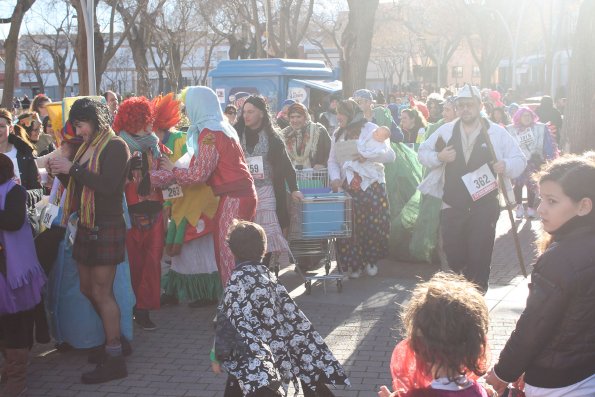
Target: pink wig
x=516, y=119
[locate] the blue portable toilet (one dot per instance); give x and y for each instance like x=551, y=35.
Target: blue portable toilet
x=276, y=79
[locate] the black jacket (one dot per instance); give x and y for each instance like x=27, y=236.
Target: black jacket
x=29, y=176
x=554, y=340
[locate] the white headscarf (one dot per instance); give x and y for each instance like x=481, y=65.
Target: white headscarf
x=204, y=111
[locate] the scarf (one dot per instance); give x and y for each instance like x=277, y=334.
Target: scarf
x=142, y=144
x=86, y=204
x=302, y=144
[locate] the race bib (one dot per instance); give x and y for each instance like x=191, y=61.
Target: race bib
x=172, y=192
x=480, y=182
x=51, y=211
x=526, y=138
x=256, y=167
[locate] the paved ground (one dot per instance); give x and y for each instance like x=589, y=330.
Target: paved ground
x=360, y=325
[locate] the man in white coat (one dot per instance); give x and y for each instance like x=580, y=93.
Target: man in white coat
x=464, y=174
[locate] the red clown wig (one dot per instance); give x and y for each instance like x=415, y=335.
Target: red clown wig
x=134, y=115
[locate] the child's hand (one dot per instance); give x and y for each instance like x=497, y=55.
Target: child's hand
x=216, y=367
x=384, y=392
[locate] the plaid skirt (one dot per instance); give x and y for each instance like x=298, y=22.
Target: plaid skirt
x=105, y=244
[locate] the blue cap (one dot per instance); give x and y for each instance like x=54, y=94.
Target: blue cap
x=287, y=102
x=364, y=94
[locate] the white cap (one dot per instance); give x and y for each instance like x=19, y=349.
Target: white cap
x=469, y=91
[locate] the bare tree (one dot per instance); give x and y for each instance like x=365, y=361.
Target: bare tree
x=488, y=33
x=35, y=62
x=10, y=49
x=356, y=42
x=55, y=41
x=288, y=26
x=324, y=33
x=139, y=36
x=579, y=131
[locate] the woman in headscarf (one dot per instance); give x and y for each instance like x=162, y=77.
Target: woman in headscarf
x=537, y=145
x=215, y=157
x=369, y=242
x=95, y=187
x=308, y=143
x=189, y=243
x=272, y=171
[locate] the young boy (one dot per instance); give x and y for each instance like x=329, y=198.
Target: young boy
x=263, y=340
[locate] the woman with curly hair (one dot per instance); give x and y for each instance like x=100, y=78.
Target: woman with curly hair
x=95, y=185
x=446, y=327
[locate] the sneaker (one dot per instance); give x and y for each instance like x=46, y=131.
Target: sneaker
x=109, y=369
x=371, y=269
x=355, y=274
x=143, y=319
x=531, y=213
x=167, y=300
x=520, y=211
x=99, y=354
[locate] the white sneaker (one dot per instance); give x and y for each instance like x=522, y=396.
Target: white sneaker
x=372, y=270
x=531, y=213
x=520, y=211
x=355, y=274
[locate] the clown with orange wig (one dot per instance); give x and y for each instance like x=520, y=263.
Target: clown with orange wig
x=193, y=275
x=144, y=241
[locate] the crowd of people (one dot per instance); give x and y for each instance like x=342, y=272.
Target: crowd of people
x=108, y=190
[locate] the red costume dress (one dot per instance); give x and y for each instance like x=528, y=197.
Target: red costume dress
x=219, y=162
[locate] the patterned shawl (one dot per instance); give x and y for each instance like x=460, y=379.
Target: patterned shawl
x=86, y=205
x=282, y=345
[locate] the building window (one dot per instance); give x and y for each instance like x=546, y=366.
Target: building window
x=476, y=72
x=457, y=71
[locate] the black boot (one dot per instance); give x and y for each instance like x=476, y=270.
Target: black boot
x=142, y=318
x=98, y=354
x=109, y=369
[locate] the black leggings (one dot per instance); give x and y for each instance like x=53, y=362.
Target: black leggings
x=518, y=195
x=16, y=329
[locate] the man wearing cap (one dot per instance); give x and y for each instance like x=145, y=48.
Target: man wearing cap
x=378, y=115
x=463, y=174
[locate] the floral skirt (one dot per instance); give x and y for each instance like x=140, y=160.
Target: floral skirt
x=266, y=216
x=371, y=228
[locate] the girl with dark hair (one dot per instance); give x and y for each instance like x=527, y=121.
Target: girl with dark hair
x=500, y=116
x=271, y=169
x=369, y=242
x=21, y=281
x=413, y=125
x=551, y=350
x=445, y=350
x=95, y=187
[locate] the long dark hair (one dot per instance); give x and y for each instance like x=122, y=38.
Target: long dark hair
x=92, y=111
x=267, y=124
x=6, y=168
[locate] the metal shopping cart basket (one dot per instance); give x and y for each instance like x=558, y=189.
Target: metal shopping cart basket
x=316, y=222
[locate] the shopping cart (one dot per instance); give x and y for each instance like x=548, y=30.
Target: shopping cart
x=316, y=222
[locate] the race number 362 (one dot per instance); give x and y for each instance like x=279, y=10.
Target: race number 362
x=172, y=191
x=482, y=181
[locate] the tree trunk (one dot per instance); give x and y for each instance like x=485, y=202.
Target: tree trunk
x=357, y=43
x=139, y=56
x=579, y=121
x=10, y=49
x=80, y=50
